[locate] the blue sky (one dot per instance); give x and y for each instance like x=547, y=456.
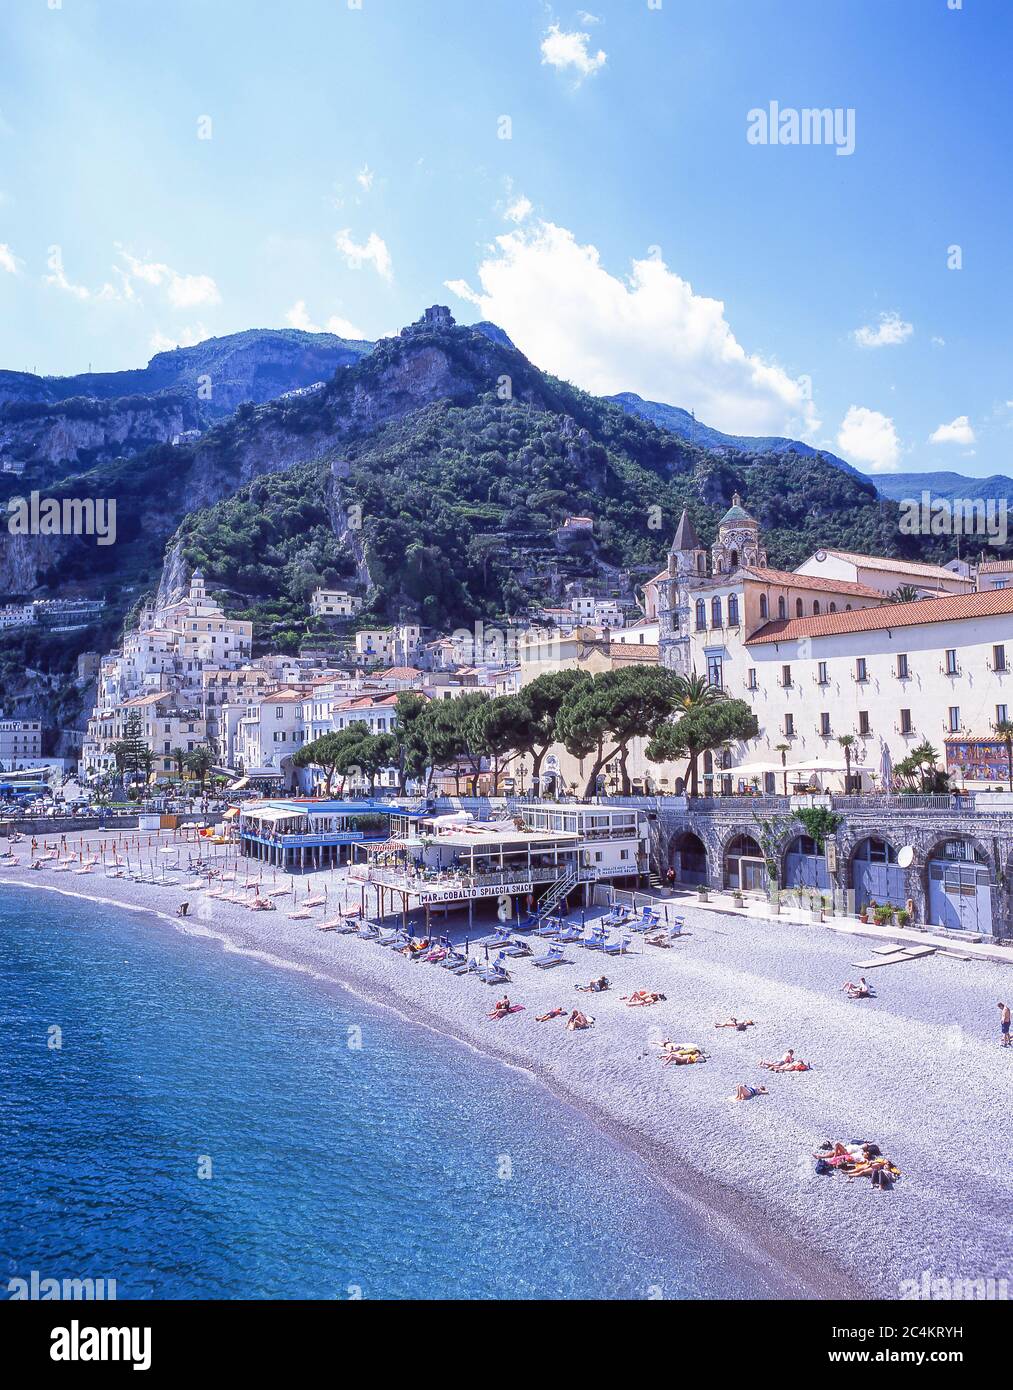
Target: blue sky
x=627, y=234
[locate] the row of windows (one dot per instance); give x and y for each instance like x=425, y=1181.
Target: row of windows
x=717, y=619
x=902, y=668
x=906, y=725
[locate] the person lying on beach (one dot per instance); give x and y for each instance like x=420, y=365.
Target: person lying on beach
x=553, y=1013
x=743, y=1092
x=641, y=998
x=740, y=1024
x=797, y=1065
x=863, y=990
x=685, y=1055
x=503, y=1008
x=595, y=986
x=577, y=1020
x=784, y=1061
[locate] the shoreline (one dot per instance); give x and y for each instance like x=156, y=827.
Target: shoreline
x=624, y=1092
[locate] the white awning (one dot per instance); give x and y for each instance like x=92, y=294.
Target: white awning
x=273, y=814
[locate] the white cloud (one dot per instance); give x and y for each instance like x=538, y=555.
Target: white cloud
x=372, y=252
x=958, y=431
x=8, y=261
x=561, y=51
x=298, y=317
x=182, y=291
x=869, y=437
x=364, y=178
x=518, y=210
x=182, y=337
x=59, y=280
x=890, y=331
x=938, y=342
x=648, y=333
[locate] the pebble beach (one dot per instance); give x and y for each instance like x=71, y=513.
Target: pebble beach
x=918, y=1069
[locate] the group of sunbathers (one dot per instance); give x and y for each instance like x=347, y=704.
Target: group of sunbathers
x=641, y=998
x=859, y=1159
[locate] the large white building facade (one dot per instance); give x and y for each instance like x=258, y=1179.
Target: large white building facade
x=825, y=651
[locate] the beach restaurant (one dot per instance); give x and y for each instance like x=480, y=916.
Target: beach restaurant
x=298, y=835
x=537, y=858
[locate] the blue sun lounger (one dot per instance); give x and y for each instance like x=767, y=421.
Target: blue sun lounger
x=616, y=948
x=554, y=956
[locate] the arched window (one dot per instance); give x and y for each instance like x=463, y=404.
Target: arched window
x=715, y=612
x=733, y=560
x=699, y=564
x=816, y=606
x=782, y=607
x=798, y=608
x=733, y=610
x=701, y=615
x=833, y=608
x=763, y=605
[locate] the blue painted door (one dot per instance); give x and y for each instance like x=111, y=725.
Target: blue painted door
x=807, y=871
x=960, y=897
x=883, y=883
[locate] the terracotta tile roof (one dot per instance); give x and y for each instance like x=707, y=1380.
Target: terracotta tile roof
x=883, y=562
x=634, y=651
x=400, y=673
x=791, y=580
x=137, y=700
x=953, y=608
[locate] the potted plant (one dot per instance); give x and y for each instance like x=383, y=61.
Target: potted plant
x=903, y=917
x=701, y=893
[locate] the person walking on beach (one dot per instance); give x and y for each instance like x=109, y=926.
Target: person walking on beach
x=1004, y=1023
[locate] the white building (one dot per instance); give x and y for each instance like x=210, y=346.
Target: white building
x=14, y=615
x=334, y=603
x=20, y=739
x=939, y=670
x=391, y=646
x=887, y=575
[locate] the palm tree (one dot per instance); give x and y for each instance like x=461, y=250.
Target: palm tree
x=693, y=692
x=847, y=742
x=1005, y=731
x=200, y=763
x=178, y=757
x=907, y=593
x=784, y=749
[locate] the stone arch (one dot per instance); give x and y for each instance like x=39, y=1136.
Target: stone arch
x=688, y=857
x=802, y=864
x=742, y=863
x=960, y=892
x=873, y=874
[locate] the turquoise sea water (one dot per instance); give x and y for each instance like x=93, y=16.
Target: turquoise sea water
x=409, y=1166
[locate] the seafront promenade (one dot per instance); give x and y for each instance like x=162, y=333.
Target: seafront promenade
x=917, y=1070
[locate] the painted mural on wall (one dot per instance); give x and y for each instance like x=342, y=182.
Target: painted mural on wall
x=977, y=760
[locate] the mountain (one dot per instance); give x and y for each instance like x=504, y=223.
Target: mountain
x=687, y=426
x=947, y=485
x=434, y=474
x=86, y=419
